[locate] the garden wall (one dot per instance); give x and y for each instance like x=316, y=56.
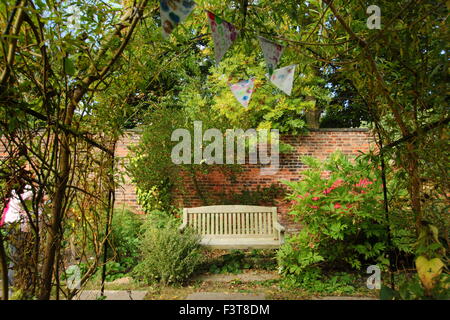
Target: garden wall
x=222, y=185
x=242, y=187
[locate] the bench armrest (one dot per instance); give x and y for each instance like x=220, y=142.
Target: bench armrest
x=280, y=230
x=279, y=227
x=185, y=220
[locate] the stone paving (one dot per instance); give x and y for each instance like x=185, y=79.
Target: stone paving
x=224, y=296
x=140, y=294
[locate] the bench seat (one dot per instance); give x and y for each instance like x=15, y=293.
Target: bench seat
x=235, y=226
x=240, y=243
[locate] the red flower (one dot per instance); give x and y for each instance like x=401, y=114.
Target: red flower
x=363, y=183
x=337, y=183
x=315, y=198
x=314, y=207
x=337, y=205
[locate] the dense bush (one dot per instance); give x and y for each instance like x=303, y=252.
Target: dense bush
x=167, y=255
x=125, y=229
x=340, y=206
x=123, y=253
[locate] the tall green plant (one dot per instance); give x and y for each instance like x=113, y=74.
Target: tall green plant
x=339, y=203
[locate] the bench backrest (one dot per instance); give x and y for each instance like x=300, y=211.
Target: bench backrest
x=231, y=220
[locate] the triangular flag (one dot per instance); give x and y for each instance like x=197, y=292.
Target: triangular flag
x=223, y=33
x=243, y=91
x=272, y=53
x=174, y=12
x=283, y=78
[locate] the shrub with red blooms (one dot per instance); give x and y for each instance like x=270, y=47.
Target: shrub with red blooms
x=342, y=216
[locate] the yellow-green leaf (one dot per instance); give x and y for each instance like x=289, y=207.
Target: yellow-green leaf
x=428, y=270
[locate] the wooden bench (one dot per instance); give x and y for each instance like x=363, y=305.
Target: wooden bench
x=235, y=227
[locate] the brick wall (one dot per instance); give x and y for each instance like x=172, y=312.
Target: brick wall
x=317, y=143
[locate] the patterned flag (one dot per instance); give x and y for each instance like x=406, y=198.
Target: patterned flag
x=272, y=53
x=283, y=78
x=243, y=91
x=223, y=33
x=174, y=12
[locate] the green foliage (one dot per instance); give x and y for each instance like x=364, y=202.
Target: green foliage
x=411, y=288
x=432, y=280
x=168, y=256
x=152, y=166
x=157, y=198
x=260, y=196
x=113, y=270
x=230, y=263
x=313, y=281
x=396, y=76
x=237, y=261
x=125, y=231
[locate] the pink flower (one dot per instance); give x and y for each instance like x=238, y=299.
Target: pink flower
x=337, y=205
x=337, y=183
x=363, y=183
x=315, y=198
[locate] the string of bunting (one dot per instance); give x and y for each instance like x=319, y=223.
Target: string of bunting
x=224, y=33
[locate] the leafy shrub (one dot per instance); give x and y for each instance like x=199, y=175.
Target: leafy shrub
x=432, y=280
x=125, y=231
x=411, y=288
x=114, y=270
x=123, y=253
x=168, y=256
x=236, y=261
x=342, y=215
x=313, y=281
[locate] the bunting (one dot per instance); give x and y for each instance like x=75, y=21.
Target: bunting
x=283, y=78
x=223, y=33
x=243, y=91
x=173, y=12
x=272, y=53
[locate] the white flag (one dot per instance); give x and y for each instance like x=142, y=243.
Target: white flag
x=272, y=53
x=173, y=12
x=223, y=33
x=283, y=78
x=243, y=91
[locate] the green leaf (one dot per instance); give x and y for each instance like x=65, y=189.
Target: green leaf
x=428, y=270
x=387, y=293
x=69, y=67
